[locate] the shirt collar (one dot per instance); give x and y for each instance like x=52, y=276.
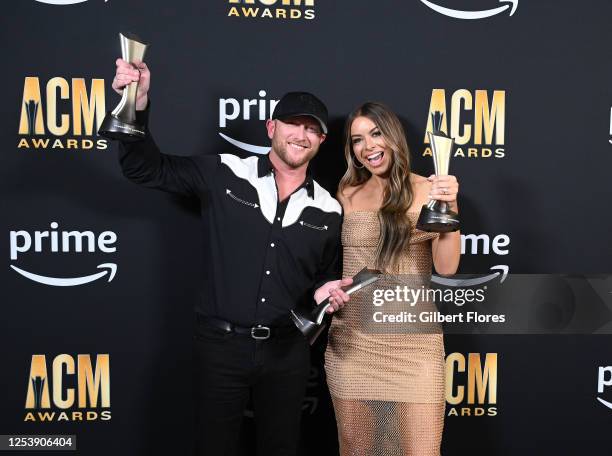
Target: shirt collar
x=264, y=167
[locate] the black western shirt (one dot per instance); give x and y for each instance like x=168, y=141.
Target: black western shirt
x=262, y=257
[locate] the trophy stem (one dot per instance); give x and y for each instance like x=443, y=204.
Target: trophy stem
x=319, y=311
x=120, y=111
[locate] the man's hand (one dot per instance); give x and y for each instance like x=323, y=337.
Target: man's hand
x=337, y=297
x=127, y=73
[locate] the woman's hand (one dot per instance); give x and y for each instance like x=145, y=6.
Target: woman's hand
x=444, y=188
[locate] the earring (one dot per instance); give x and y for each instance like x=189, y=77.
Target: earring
x=353, y=160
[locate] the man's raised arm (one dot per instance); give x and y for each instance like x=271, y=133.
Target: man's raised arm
x=141, y=161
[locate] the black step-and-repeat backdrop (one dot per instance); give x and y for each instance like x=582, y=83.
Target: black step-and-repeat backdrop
x=101, y=276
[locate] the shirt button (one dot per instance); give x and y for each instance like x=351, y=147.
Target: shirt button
x=272, y=244
x=278, y=218
x=267, y=272
x=263, y=299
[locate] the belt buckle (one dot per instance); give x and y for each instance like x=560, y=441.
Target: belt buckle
x=260, y=332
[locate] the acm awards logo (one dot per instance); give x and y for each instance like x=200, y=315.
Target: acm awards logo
x=479, y=14
x=477, y=121
x=68, y=389
x=471, y=384
x=232, y=109
x=53, y=241
x=67, y=118
x=272, y=9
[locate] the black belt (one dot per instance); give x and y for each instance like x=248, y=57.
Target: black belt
x=258, y=332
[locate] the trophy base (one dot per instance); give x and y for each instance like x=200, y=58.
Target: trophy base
x=312, y=323
x=436, y=220
x=309, y=328
x=113, y=128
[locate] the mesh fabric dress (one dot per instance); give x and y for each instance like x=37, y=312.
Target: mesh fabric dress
x=387, y=388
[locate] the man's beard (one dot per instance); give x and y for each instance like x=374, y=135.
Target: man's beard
x=280, y=148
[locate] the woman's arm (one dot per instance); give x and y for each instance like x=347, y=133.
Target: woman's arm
x=446, y=249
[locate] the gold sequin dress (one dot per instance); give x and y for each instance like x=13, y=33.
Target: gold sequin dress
x=387, y=388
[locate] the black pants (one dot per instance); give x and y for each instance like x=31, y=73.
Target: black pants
x=232, y=367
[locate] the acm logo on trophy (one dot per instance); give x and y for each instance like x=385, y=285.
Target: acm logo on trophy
x=436, y=216
x=121, y=123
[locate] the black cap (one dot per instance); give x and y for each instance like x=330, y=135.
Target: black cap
x=295, y=104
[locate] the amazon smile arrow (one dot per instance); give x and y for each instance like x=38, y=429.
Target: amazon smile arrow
x=111, y=270
x=62, y=2
x=606, y=403
x=501, y=268
x=459, y=14
x=246, y=146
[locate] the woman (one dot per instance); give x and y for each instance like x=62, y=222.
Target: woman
x=387, y=387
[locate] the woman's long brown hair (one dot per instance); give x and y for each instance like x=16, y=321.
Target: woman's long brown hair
x=395, y=225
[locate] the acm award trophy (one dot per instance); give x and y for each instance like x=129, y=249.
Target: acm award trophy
x=120, y=124
x=311, y=323
x=436, y=216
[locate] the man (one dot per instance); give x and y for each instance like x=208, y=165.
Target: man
x=272, y=243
